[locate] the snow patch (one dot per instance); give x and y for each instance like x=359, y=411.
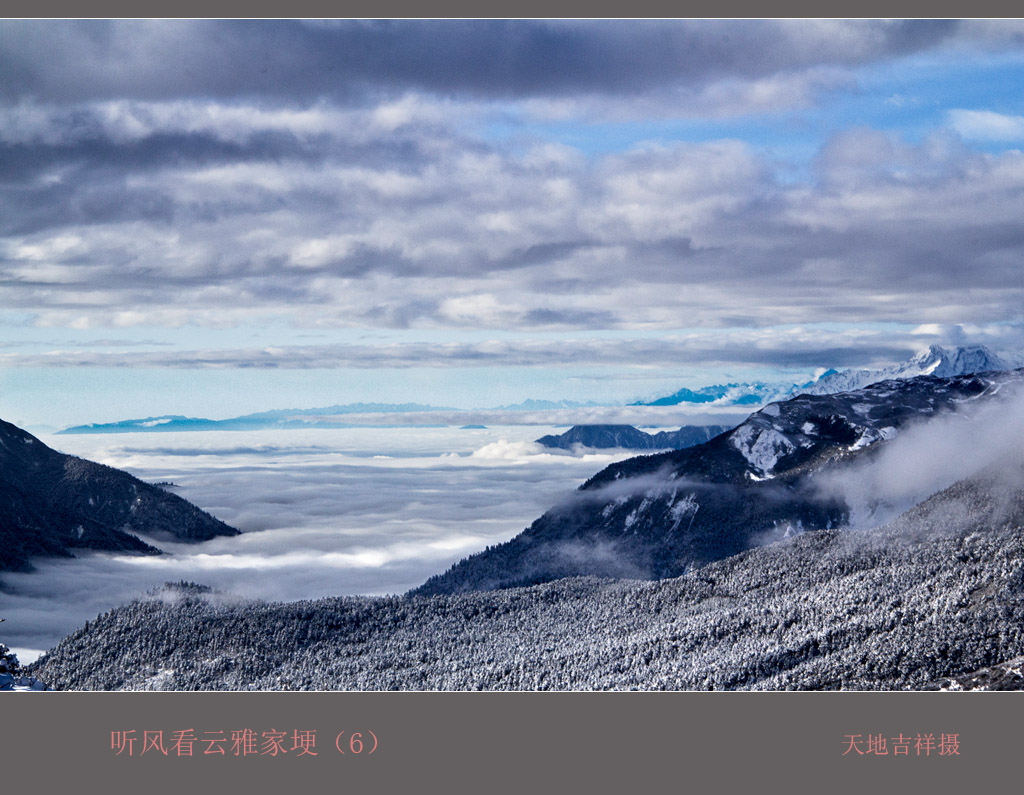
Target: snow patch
x=20, y=684
x=636, y=513
x=872, y=435
x=686, y=507
x=762, y=447
x=610, y=508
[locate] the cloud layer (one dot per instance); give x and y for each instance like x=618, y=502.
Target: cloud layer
x=400, y=175
x=933, y=455
x=348, y=62
x=322, y=513
x=469, y=236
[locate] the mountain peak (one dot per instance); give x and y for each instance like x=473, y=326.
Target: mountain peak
x=630, y=438
x=964, y=360
x=934, y=360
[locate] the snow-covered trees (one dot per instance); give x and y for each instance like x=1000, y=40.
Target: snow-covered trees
x=938, y=593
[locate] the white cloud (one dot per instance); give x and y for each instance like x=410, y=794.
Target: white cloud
x=987, y=125
x=928, y=457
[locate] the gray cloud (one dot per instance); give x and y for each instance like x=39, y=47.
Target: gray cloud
x=702, y=234
x=288, y=60
x=794, y=348
x=346, y=188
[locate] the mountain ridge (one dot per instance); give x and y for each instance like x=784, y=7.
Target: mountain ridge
x=656, y=516
x=276, y=418
x=935, y=360
x=55, y=503
x=628, y=437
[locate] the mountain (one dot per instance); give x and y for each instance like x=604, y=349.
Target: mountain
x=163, y=423
x=295, y=418
x=936, y=361
x=934, y=597
x=724, y=395
x=548, y=405
x=278, y=418
x=940, y=362
x=661, y=515
x=627, y=437
x=55, y=503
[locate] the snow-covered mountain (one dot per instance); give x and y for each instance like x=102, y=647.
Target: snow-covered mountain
x=933, y=600
x=745, y=394
x=940, y=362
x=660, y=515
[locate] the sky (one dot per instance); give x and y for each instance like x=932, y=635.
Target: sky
x=213, y=218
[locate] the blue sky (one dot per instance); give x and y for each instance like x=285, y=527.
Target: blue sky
x=477, y=213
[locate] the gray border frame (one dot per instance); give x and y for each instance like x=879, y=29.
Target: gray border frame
x=498, y=743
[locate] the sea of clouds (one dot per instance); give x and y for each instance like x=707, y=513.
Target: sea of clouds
x=322, y=512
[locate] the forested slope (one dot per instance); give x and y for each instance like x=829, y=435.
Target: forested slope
x=937, y=593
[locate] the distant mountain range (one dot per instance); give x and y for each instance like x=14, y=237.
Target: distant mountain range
x=936, y=361
x=55, y=503
x=278, y=418
x=627, y=437
x=661, y=515
x=548, y=405
x=301, y=418
x=940, y=362
x=745, y=394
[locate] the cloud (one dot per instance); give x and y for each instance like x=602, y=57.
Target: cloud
x=987, y=125
x=321, y=514
x=785, y=347
x=363, y=185
x=481, y=59
x=453, y=233
x=931, y=456
x=652, y=485
x=523, y=453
